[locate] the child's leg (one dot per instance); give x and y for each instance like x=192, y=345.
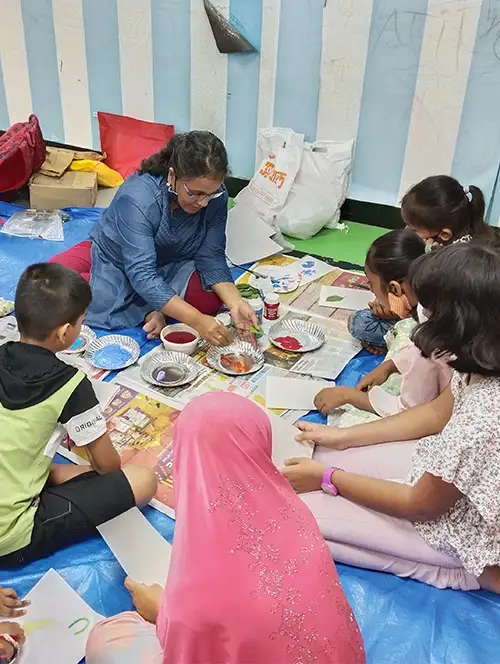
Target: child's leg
x=124, y=639
x=384, y=462
x=363, y=538
x=370, y=330
x=70, y=512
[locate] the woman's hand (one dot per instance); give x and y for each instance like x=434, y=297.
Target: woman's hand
x=212, y=330
x=304, y=474
x=243, y=317
x=331, y=398
x=146, y=599
x=10, y=605
x=320, y=434
x=154, y=324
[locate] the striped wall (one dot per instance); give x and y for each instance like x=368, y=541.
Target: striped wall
x=415, y=82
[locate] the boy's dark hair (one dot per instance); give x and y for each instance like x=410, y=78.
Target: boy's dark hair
x=459, y=287
x=49, y=295
x=194, y=154
x=391, y=255
x=440, y=202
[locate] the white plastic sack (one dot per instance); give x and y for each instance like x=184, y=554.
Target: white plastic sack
x=318, y=191
x=268, y=189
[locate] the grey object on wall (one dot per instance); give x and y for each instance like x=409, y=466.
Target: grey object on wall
x=227, y=38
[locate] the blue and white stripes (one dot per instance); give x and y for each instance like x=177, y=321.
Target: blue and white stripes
x=415, y=82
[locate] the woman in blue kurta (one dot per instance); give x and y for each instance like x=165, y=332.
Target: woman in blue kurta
x=160, y=248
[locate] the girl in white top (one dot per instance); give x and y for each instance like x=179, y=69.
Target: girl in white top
x=440, y=521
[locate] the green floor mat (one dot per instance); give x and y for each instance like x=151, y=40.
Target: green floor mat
x=349, y=247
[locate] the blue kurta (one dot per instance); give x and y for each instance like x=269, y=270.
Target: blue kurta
x=143, y=253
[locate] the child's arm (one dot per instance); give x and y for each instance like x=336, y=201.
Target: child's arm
x=102, y=455
x=83, y=419
x=378, y=376
x=332, y=398
x=428, y=499
x=418, y=422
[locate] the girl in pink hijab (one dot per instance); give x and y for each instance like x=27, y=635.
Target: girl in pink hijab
x=251, y=580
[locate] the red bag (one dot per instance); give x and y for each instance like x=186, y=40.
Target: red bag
x=127, y=141
x=22, y=152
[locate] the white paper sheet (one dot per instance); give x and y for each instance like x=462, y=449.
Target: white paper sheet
x=284, y=444
x=248, y=237
x=57, y=624
x=104, y=392
x=312, y=268
x=337, y=297
x=138, y=547
x=292, y=393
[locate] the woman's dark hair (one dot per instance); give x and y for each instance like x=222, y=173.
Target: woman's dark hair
x=459, y=287
x=391, y=255
x=440, y=202
x=195, y=154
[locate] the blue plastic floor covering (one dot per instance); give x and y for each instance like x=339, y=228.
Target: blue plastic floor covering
x=401, y=620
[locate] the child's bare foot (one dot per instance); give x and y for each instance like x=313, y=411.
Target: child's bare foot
x=374, y=350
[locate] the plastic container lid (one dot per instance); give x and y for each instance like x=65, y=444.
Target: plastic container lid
x=272, y=298
x=255, y=303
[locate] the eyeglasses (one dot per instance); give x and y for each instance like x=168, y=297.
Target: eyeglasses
x=201, y=197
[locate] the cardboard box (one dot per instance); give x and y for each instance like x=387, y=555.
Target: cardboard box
x=73, y=189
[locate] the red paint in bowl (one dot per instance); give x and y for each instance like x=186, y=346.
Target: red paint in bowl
x=180, y=337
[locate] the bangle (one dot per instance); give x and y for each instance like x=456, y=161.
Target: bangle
x=7, y=638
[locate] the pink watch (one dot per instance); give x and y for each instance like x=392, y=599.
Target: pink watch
x=326, y=482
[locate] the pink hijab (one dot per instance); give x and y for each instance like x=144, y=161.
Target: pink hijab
x=251, y=580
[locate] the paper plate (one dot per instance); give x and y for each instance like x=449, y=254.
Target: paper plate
x=86, y=337
x=283, y=279
x=238, y=359
x=169, y=369
x=307, y=336
x=113, y=352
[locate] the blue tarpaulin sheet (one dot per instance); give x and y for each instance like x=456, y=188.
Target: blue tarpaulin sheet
x=401, y=620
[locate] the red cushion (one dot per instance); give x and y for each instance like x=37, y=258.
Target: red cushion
x=127, y=141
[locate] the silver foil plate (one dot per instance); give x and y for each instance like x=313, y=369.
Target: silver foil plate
x=309, y=335
x=86, y=337
x=238, y=355
x=113, y=352
x=169, y=368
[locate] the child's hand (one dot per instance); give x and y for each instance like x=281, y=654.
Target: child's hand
x=146, y=599
x=380, y=310
x=330, y=399
x=10, y=605
x=303, y=474
x=321, y=434
x=14, y=630
x=376, y=377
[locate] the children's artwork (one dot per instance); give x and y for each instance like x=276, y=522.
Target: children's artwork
x=344, y=298
x=57, y=624
x=140, y=429
x=139, y=548
x=292, y=393
x=311, y=268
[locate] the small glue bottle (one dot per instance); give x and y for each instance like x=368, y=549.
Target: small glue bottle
x=258, y=307
x=272, y=306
